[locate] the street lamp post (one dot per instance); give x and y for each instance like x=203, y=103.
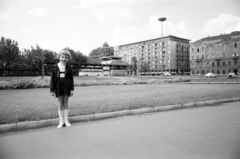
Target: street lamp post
x=162, y=20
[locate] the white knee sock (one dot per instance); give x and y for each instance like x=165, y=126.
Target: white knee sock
x=61, y=122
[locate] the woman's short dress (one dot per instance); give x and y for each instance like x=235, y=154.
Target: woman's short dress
x=61, y=89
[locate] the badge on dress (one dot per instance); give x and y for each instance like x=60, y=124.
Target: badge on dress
x=62, y=75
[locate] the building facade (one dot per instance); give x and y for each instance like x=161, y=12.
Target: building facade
x=99, y=52
x=217, y=54
x=167, y=54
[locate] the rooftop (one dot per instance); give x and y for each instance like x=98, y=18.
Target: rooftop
x=110, y=58
x=155, y=39
x=221, y=36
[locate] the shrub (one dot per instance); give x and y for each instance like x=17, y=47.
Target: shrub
x=41, y=83
x=25, y=84
x=38, y=82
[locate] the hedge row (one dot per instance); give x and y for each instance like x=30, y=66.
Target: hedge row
x=24, y=84
x=39, y=83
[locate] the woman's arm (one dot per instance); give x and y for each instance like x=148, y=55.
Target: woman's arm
x=72, y=80
x=52, y=81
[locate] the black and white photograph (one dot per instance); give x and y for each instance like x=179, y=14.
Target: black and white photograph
x=119, y=79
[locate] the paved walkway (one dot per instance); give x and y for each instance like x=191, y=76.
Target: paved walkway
x=198, y=133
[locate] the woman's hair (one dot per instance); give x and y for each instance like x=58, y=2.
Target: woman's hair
x=64, y=52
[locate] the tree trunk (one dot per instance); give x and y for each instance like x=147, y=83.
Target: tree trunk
x=42, y=70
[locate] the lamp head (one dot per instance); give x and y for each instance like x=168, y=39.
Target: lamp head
x=162, y=19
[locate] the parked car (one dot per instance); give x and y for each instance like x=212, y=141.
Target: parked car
x=232, y=75
x=167, y=74
x=210, y=75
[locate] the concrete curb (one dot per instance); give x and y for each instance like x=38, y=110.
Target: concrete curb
x=78, y=119
x=93, y=117
x=211, y=82
x=31, y=125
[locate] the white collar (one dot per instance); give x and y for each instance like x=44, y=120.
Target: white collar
x=61, y=67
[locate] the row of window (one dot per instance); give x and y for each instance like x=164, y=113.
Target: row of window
x=198, y=50
x=156, y=58
x=153, y=54
x=218, y=63
x=235, y=45
x=164, y=44
x=155, y=45
x=218, y=56
x=223, y=55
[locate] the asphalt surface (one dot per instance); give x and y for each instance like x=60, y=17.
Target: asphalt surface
x=211, y=132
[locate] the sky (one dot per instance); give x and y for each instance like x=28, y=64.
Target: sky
x=84, y=25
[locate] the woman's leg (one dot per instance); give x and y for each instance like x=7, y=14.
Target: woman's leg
x=60, y=111
x=60, y=103
x=65, y=102
x=65, y=99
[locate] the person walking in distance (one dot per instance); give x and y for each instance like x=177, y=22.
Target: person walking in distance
x=62, y=86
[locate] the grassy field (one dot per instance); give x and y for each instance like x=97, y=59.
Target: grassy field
x=195, y=78
x=75, y=77
x=37, y=104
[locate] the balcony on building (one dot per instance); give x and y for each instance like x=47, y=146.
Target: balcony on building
x=218, y=58
x=198, y=60
x=235, y=56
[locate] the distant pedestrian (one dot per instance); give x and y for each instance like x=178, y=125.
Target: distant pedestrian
x=62, y=85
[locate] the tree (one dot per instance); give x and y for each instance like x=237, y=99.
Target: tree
x=80, y=58
x=144, y=67
x=134, y=64
x=9, y=52
x=31, y=59
x=39, y=57
x=50, y=56
x=28, y=60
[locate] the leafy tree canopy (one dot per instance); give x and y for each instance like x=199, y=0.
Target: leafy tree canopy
x=9, y=52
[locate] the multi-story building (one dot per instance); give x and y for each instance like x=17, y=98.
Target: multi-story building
x=167, y=54
x=217, y=54
x=99, y=52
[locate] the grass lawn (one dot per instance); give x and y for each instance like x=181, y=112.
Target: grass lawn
x=17, y=78
x=75, y=77
x=37, y=104
x=193, y=78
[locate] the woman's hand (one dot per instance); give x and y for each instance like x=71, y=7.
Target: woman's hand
x=71, y=94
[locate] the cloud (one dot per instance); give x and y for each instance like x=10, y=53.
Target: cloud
x=5, y=16
x=116, y=12
x=81, y=6
x=116, y=15
x=39, y=12
x=155, y=27
x=24, y=31
x=224, y=23
x=134, y=20
x=127, y=34
x=152, y=29
x=74, y=34
x=9, y=8
x=179, y=30
x=43, y=36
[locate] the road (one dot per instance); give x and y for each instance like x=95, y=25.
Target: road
x=199, y=133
